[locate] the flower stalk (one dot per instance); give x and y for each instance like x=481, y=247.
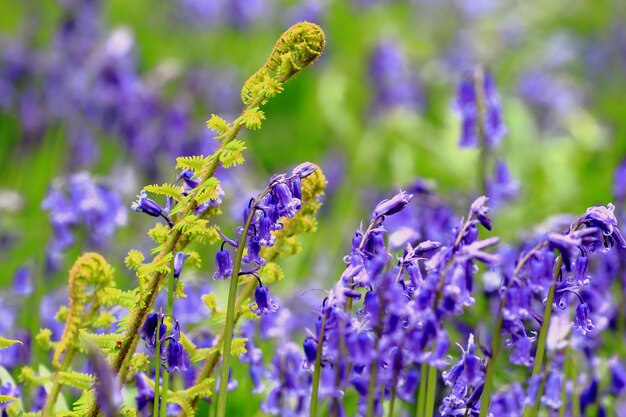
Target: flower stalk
x=421, y=394
x=542, y=338
x=157, y=370
x=317, y=368
x=170, y=312
x=230, y=309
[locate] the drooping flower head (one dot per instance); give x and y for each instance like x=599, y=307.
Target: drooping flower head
x=224, y=265
x=179, y=261
x=146, y=205
x=604, y=219
x=392, y=205
x=148, y=330
x=263, y=302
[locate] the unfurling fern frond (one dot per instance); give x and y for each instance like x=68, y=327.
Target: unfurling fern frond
x=90, y=271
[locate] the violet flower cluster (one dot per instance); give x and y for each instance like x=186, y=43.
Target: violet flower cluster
x=81, y=203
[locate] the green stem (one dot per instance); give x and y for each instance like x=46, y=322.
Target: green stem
x=55, y=390
x=371, y=391
x=317, y=369
x=230, y=315
x=157, y=370
x=56, y=385
x=429, y=409
x=138, y=316
x=621, y=313
x=392, y=401
x=421, y=395
x=479, y=87
x=491, y=366
x=566, y=374
x=543, y=335
x=170, y=313
x=573, y=375
x=547, y=314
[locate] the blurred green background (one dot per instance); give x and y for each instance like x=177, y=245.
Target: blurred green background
x=560, y=68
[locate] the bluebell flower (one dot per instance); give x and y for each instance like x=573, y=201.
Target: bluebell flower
x=190, y=179
x=286, y=203
x=291, y=383
x=146, y=205
x=551, y=397
x=224, y=265
x=310, y=349
x=253, y=255
x=518, y=301
x=22, y=281
x=521, y=344
x=502, y=187
x=253, y=356
x=604, y=219
x=589, y=395
x=176, y=356
x=393, y=205
x=476, y=251
x=508, y=402
x=467, y=369
x=303, y=170
x=265, y=228
x=263, y=302
x=92, y=205
x=148, y=330
x=394, y=83
x=618, y=377
x=534, y=383
x=179, y=260
x=582, y=322
x=295, y=185
x=467, y=106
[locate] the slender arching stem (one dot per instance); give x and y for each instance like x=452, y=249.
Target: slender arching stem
x=230, y=309
x=317, y=368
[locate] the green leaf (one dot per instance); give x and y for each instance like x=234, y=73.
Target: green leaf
x=218, y=124
x=134, y=259
x=170, y=190
x=83, y=403
x=5, y=343
x=252, y=118
x=194, y=163
x=207, y=191
x=108, y=341
x=6, y=399
x=231, y=155
x=76, y=380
